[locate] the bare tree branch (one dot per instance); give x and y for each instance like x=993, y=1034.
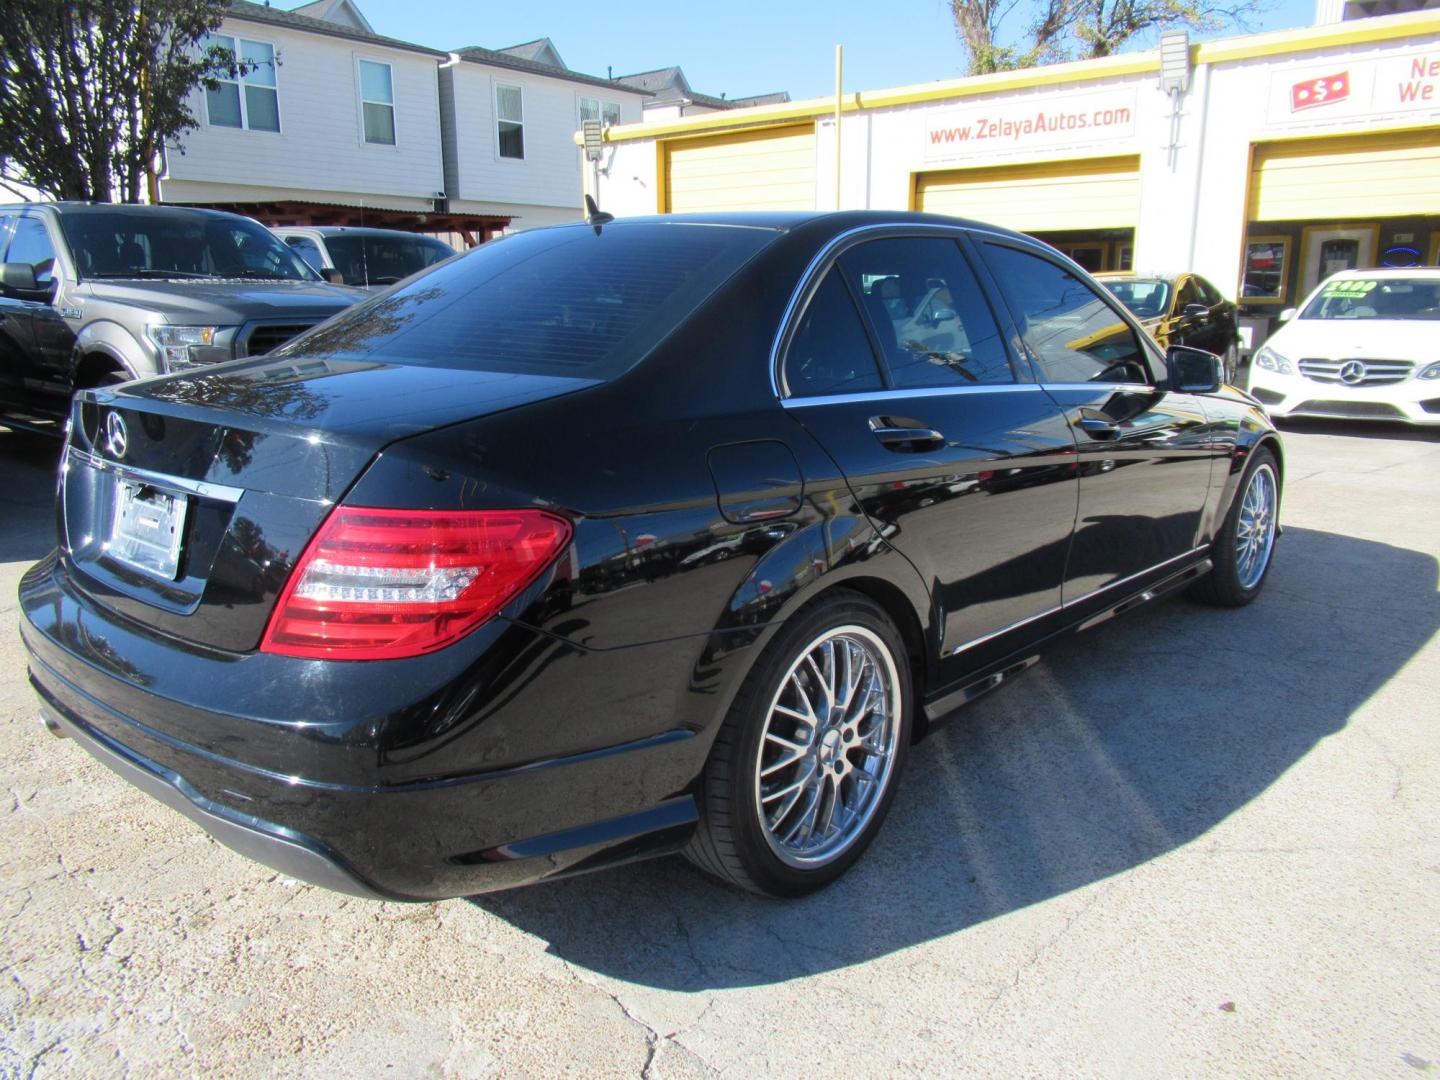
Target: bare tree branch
x=1071, y=29
x=91, y=89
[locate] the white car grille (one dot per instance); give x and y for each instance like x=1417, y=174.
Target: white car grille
x=1356, y=372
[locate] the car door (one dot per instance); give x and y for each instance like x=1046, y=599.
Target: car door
x=1221, y=331
x=14, y=331
x=47, y=373
x=956, y=456
x=1144, y=450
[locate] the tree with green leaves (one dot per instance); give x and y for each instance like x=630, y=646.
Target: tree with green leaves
x=997, y=37
x=90, y=90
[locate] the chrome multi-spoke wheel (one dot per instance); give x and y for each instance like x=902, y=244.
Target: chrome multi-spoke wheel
x=805, y=765
x=1245, y=541
x=828, y=746
x=1255, y=527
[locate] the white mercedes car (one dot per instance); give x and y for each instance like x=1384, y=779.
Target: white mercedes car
x=1365, y=345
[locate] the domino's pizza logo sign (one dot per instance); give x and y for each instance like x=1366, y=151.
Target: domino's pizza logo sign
x=1326, y=90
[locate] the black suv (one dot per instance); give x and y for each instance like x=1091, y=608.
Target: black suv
x=92, y=294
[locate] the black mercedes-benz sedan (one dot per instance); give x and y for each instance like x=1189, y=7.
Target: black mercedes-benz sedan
x=617, y=539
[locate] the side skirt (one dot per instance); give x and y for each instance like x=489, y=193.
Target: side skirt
x=943, y=704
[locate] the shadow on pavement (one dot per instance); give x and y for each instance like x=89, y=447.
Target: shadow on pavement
x=1118, y=747
x=27, y=494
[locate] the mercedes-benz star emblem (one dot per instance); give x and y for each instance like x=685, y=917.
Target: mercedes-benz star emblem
x=1352, y=372
x=116, y=437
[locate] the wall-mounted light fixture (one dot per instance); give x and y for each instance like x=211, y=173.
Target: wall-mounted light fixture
x=1175, y=61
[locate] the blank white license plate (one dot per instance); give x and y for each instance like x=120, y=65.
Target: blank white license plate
x=147, y=528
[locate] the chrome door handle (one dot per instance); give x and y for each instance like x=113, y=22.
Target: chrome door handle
x=910, y=436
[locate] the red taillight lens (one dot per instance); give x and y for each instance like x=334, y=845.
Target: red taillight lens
x=383, y=584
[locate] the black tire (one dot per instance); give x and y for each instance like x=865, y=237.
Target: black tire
x=731, y=840
x=1224, y=585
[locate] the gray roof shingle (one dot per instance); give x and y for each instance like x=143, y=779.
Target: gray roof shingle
x=479, y=55
x=243, y=9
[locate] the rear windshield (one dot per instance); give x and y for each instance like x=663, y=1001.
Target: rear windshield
x=1384, y=298
x=1146, y=297
x=384, y=260
x=553, y=301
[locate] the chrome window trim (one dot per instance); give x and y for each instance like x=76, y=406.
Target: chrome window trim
x=909, y=392
x=204, y=488
x=1078, y=600
x=810, y=276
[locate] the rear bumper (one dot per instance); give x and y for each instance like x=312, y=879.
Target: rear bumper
x=279, y=848
x=331, y=821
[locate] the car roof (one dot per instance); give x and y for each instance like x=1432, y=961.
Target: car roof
x=69, y=208
x=1121, y=275
x=346, y=230
x=833, y=222
x=1387, y=272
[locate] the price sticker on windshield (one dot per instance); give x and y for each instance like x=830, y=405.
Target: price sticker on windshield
x=1350, y=288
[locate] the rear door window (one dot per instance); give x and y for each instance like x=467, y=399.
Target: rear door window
x=1073, y=333
x=308, y=250
x=933, y=322
x=561, y=301
x=830, y=351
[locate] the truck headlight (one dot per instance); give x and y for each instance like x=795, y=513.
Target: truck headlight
x=186, y=346
x=1270, y=360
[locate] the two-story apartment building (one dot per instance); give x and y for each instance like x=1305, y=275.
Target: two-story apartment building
x=673, y=97
x=509, y=118
x=334, y=124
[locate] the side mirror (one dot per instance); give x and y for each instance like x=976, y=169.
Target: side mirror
x=1287, y=314
x=943, y=314
x=1195, y=311
x=1194, y=371
x=333, y=276
x=18, y=277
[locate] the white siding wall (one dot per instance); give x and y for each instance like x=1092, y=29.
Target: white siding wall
x=321, y=145
x=549, y=175
x=1192, y=208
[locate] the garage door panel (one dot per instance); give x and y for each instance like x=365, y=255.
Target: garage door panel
x=1053, y=196
x=771, y=169
x=1389, y=174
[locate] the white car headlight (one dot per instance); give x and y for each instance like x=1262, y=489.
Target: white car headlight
x=1431, y=373
x=1270, y=360
x=186, y=346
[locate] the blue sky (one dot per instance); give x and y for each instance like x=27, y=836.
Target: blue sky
x=739, y=47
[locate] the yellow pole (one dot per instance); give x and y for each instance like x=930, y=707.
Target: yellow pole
x=839, y=70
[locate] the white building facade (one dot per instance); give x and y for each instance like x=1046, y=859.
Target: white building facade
x=509, y=125
x=1288, y=156
x=332, y=115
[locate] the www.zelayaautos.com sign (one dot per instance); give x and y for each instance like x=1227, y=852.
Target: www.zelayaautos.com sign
x=1054, y=121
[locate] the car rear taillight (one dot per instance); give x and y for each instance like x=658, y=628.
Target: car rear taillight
x=382, y=584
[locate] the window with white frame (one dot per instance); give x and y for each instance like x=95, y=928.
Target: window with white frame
x=607, y=112
x=249, y=100
x=510, y=121
x=377, y=102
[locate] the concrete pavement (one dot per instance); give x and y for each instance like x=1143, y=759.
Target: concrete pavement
x=1194, y=842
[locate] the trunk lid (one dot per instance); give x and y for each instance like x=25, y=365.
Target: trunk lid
x=186, y=500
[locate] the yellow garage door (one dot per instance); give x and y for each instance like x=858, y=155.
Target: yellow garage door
x=769, y=169
x=1049, y=196
x=1359, y=176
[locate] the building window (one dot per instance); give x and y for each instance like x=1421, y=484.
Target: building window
x=1267, y=266
x=607, y=112
x=250, y=100
x=510, y=121
x=377, y=102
